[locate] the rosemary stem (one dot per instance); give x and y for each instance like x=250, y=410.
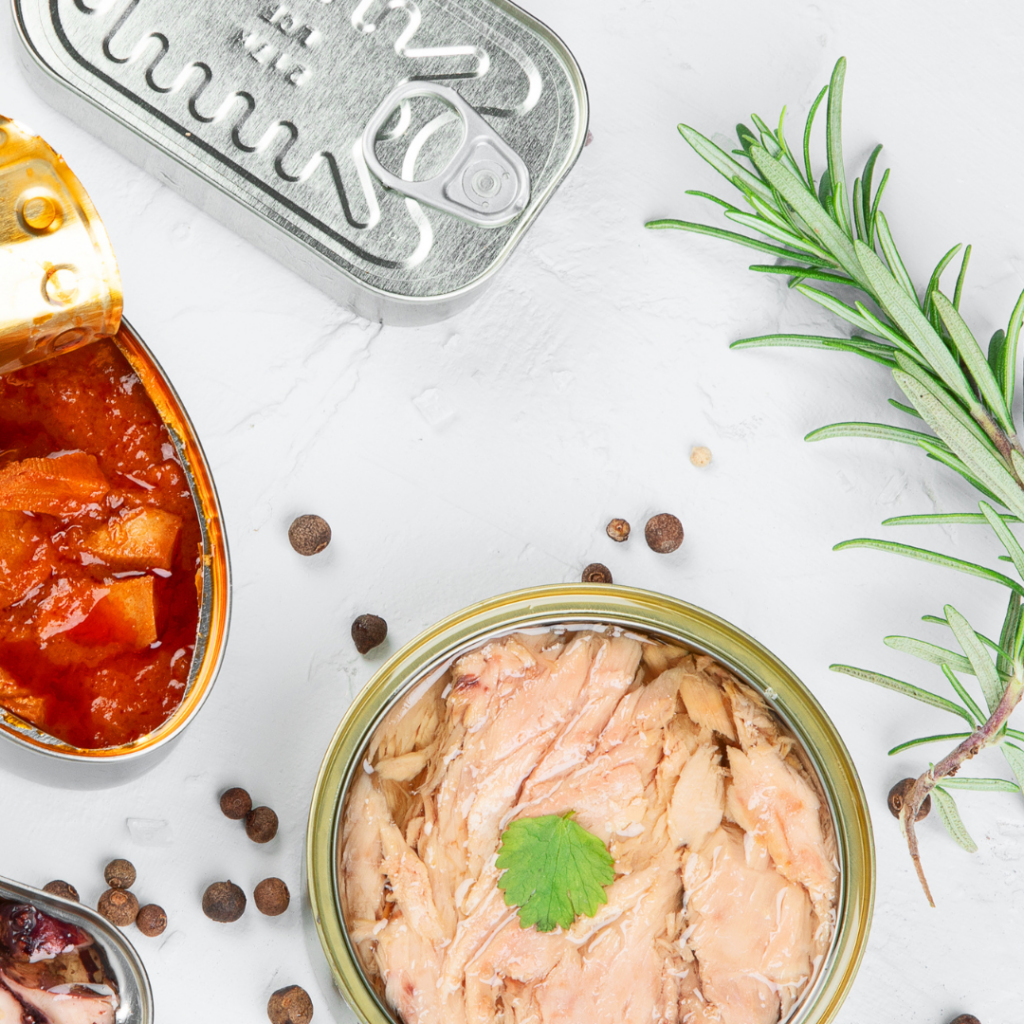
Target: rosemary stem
x=986, y=735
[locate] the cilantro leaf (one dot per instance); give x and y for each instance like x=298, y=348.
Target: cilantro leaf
x=554, y=870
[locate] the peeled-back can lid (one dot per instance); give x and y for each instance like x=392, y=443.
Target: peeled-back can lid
x=393, y=152
x=59, y=283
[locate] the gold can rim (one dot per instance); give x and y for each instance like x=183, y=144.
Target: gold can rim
x=644, y=611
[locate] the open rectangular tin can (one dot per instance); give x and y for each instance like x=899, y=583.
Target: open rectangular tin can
x=391, y=153
x=579, y=606
x=60, y=292
x=134, y=992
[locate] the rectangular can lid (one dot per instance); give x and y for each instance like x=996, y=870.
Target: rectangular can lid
x=391, y=151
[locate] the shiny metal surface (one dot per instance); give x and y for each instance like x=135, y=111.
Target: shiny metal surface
x=258, y=111
x=132, y=981
x=59, y=284
x=655, y=615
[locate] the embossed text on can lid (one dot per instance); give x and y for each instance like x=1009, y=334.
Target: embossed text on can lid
x=393, y=152
x=59, y=283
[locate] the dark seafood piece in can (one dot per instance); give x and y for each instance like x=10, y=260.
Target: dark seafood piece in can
x=51, y=972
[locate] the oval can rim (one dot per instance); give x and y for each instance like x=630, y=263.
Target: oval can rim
x=215, y=607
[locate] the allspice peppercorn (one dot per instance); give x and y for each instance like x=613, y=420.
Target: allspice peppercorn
x=119, y=906
x=235, y=803
x=65, y=890
x=120, y=874
x=290, y=1005
x=618, y=530
x=965, y=1018
x=369, y=631
x=898, y=796
x=261, y=824
x=596, y=573
x=309, y=535
x=664, y=533
x=223, y=902
x=152, y=920
x=271, y=897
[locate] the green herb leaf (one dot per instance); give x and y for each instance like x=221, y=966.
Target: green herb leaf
x=722, y=162
x=834, y=139
x=900, y=747
x=1008, y=633
x=981, y=785
x=1015, y=759
x=944, y=518
x=958, y=688
x=1007, y=539
x=960, y=277
x=807, y=135
x=865, y=347
x=983, y=666
x=1009, y=375
x=892, y=256
x=735, y=236
x=935, y=557
x=888, y=683
x=827, y=233
x=950, y=817
x=980, y=459
x=933, y=283
x=929, y=652
x=973, y=357
x=875, y=431
x=553, y=870
x=902, y=310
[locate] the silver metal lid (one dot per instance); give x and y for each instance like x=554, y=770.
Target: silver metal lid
x=391, y=151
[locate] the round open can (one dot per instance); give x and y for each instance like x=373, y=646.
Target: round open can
x=661, y=618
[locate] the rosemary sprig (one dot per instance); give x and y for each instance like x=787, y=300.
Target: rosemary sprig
x=835, y=247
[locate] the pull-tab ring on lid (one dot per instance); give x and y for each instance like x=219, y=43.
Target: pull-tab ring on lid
x=485, y=182
x=59, y=285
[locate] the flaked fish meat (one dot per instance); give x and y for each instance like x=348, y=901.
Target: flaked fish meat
x=726, y=877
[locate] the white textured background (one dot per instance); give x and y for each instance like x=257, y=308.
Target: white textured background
x=486, y=453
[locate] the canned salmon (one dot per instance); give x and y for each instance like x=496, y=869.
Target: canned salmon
x=668, y=670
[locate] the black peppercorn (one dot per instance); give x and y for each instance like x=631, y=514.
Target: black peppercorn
x=271, y=897
x=119, y=906
x=151, y=920
x=261, y=824
x=618, y=530
x=369, y=631
x=596, y=573
x=290, y=1005
x=664, y=533
x=65, y=890
x=223, y=902
x=235, y=803
x=898, y=796
x=120, y=874
x=309, y=535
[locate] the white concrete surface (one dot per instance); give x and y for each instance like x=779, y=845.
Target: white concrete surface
x=486, y=453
